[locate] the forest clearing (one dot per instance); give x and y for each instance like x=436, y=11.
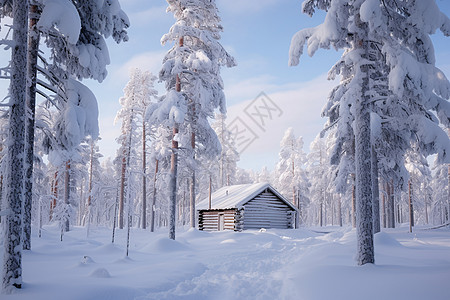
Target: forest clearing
x=316, y=263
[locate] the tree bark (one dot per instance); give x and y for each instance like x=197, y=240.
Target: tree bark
x=54, y=195
x=33, y=47
x=173, y=184
x=375, y=193
x=411, y=209
x=192, y=196
x=1, y=192
x=66, y=196
x=12, y=255
x=174, y=168
x=390, y=206
x=384, y=205
x=353, y=201
x=364, y=222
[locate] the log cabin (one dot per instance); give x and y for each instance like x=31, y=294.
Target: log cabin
x=246, y=206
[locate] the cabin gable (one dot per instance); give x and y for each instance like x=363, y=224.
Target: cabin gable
x=267, y=210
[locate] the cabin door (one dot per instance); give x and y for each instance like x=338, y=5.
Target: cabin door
x=221, y=225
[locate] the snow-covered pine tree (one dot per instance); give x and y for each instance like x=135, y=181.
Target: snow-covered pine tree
x=195, y=61
x=74, y=32
x=137, y=96
x=343, y=28
x=317, y=166
x=408, y=57
x=12, y=255
x=291, y=177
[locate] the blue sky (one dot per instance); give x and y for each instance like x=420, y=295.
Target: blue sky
x=258, y=34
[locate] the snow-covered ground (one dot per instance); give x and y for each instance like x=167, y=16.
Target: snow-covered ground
x=267, y=264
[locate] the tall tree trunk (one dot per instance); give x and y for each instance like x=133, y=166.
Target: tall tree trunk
x=33, y=47
x=192, y=192
x=12, y=255
x=174, y=167
x=115, y=216
x=122, y=189
x=340, y=211
x=89, y=200
x=353, y=201
x=210, y=193
x=80, y=215
x=321, y=214
x=448, y=192
x=173, y=184
x=375, y=193
x=144, y=179
x=222, y=157
x=411, y=209
x=391, y=209
x=364, y=223
x=66, y=196
x=1, y=193
x=383, y=209
x=192, y=189
x=54, y=195
x=152, y=224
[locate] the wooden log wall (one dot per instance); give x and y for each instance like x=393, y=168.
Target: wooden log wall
x=267, y=211
x=209, y=219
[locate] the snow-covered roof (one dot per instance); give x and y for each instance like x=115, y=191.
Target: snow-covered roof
x=235, y=196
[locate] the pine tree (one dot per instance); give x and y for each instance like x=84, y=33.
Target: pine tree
x=192, y=67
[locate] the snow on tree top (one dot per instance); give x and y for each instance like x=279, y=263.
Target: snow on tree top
x=236, y=196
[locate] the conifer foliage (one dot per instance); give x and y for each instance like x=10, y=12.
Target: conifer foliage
x=191, y=71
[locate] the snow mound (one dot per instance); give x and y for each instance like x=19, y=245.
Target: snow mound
x=385, y=239
x=100, y=273
x=124, y=260
x=193, y=233
x=108, y=248
x=164, y=245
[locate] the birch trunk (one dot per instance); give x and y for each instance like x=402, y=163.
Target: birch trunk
x=12, y=255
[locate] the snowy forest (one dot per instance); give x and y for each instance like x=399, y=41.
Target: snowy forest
x=378, y=171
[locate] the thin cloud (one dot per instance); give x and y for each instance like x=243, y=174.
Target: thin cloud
x=301, y=106
x=147, y=61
